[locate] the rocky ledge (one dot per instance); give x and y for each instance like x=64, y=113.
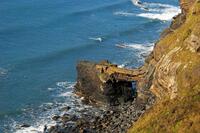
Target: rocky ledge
x=171, y=73
x=106, y=83
x=174, y=76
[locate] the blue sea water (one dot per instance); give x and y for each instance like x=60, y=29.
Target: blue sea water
x=42, y=40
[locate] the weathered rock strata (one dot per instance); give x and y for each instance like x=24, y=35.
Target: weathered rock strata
x=171, y=72
x=106, y=83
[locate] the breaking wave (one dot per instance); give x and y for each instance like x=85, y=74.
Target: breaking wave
x=3, y=72
x=99, y=39
x=138, y=51
x=163, y=12
x=140, y=47
x=123, y=13
x=160, y=11
x=141, y=50
x=42, y=116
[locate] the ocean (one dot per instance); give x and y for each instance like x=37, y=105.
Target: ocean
x=41, y=42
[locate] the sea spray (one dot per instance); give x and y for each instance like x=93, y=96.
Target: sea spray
x=163, y=12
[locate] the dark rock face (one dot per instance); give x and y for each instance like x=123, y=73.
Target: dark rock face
x=25, y=125
x=106, y=83
x=87, y=73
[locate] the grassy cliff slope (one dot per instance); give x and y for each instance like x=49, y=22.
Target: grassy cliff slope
x=175, y=78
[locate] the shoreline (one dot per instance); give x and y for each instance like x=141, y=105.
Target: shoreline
x=113, y=119
x=120, y=111
x=110, y=119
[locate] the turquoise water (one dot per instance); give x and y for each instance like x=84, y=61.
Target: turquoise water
x=42, y=40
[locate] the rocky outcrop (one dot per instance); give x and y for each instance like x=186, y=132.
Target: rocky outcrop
x=186, y=5
x=173, y=74
x=106, y=83
x=170, y=55
x=162, y=69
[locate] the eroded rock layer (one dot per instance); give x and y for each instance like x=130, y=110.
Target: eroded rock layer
x=106, y=83
x=173, y=74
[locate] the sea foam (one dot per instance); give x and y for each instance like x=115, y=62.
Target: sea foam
x=141, y=47
x=99, y=39
x=163, y=12
x=124, y=13
x=3, y=71
x=160, y=11
x=53, y=108
x=140, y=50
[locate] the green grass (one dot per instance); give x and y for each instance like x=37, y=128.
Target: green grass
x=182, y=114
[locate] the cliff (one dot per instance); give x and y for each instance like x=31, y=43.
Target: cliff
x=173, y=74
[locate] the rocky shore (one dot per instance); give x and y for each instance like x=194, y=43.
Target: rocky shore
x=113, y=119
x=113, y=91
x=170, y=76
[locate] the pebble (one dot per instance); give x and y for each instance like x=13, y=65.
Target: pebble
x=114, y=119
x=65, y=109
x=25, y=125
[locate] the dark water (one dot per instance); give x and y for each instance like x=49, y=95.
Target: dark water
x=42, y=40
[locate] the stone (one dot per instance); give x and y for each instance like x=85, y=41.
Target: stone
x=106, y=83
x=67, y=108
x=55, y=117
x=25, y=125
x=65, y=118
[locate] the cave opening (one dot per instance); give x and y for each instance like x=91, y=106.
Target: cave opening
x=119, y=92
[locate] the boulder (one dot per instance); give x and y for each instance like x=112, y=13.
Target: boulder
x=25, y=125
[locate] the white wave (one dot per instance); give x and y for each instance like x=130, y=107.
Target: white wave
x=121, y=66
x=141, y=50
x=139, y=4
x=157, y=5
x=122, y=13
x=99, y=39
x=135, y=2
x=140, y=47
x=65, y=94
x=45, y=118
x=66, y=84
x=38, y=126
x=34, y=129
x=161, y=14
x=164, y=12
x=51, y=89
x=3, y=71
x=53, y=108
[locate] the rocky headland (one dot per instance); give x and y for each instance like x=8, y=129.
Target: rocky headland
x=174, y=76
x=161, y=96
x=111, y=89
